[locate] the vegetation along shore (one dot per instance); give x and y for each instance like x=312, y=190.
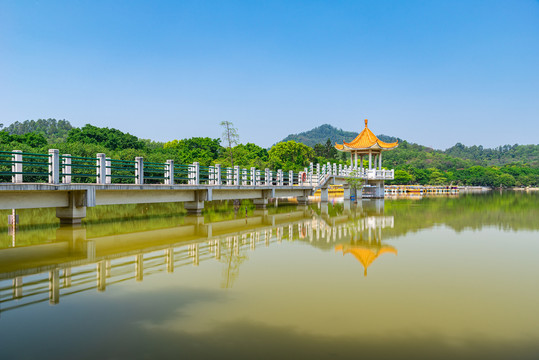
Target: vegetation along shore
x=506, y=166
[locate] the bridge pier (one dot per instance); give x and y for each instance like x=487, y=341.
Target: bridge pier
x=75, y=211
x=324, y=195
x=379, y=192
x=261, y=204
x=303, y=200
x=346, y=192
x=196, y=207
x=324, y=209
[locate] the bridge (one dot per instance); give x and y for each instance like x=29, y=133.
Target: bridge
x=73, y=263
x=72, y=183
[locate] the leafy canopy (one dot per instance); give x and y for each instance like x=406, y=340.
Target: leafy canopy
x=110, y=138
x=290, y=155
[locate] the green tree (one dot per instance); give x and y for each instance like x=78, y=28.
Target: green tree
x=402, y=177
x=290, y=155
x=331, y=152
x=203, y=150
x=110, y=138
x=505, y=180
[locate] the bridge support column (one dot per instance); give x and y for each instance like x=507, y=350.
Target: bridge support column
x=324, y=208
x=76, y=210
x=324, y=195
x=303, y=200
x=379, y=192
x=346, y=191
x=262, y=203
x=196, y=207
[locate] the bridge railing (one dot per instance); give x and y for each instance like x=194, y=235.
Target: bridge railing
x=14, y=165
x=54, y=168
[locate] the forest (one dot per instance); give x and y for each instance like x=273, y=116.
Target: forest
x=506, y=166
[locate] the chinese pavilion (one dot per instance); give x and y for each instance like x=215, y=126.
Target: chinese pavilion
x=366, y=143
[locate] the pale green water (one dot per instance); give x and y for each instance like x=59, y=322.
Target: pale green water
x=430, y=278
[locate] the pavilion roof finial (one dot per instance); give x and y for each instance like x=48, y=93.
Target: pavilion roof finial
x=366, y=121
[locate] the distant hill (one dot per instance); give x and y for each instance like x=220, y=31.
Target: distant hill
x=502, y=155
x=320, y=134
x=53, y=130
x=499, y=156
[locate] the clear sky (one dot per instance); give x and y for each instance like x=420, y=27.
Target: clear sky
x=432, y=72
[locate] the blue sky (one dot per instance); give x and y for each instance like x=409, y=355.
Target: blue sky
x=432, y=72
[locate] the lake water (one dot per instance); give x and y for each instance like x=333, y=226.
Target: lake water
x=407, y=278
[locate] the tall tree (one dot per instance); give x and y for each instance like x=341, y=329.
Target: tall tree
x=231, y=137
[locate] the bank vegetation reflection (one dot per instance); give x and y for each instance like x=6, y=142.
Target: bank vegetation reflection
x=74, y=263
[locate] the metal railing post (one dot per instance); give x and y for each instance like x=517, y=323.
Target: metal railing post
x=101, y=168
x=244, y=177
x=236, y=175
x=66, y=169
x=169, y=172
x=253, y=176
x=54, y=166
x=139, y=170
x=229, y=176
x=218, y=174
x=108, y=171
x=211, y=175
x=280, y=177
x=290, y=178
x=267, y=181
x=16, y=166
x=196, y=173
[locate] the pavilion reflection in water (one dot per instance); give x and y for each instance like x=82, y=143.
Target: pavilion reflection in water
x=74, y=263
x=366, y=239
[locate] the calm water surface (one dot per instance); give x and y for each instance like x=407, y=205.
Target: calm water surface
x=426, y=278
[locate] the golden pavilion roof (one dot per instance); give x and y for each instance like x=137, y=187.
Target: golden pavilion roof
x=366, y=140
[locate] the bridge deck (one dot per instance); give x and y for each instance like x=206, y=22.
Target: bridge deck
x=38, y=195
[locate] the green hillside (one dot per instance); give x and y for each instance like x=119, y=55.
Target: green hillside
x=416, y=155
x=53, y=130
x=320, y=134
x=506, y=166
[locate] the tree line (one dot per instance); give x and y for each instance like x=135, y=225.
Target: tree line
x=413, y=163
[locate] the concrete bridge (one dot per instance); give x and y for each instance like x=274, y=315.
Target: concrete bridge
x=74, y=263
x=72, y=183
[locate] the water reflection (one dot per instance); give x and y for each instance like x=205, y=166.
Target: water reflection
x=157, y=279
x=73, y=262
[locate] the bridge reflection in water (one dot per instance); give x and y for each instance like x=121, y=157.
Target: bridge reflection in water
x=74, y=263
